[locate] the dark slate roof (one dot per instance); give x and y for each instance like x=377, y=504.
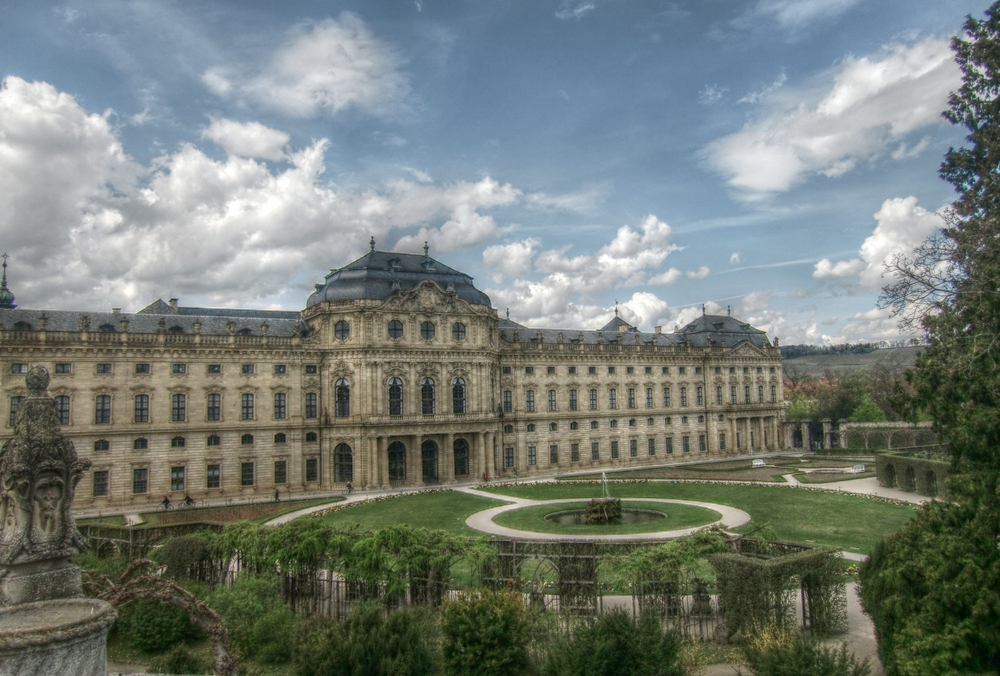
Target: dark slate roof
x=151, y=319
x=379, y=274
x=616, y=324
x=717, y=328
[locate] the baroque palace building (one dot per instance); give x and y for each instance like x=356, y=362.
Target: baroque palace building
x=398, y=372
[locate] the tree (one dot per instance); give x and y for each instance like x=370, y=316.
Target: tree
x=867, y=411
x=485, y=633
x=933, y=589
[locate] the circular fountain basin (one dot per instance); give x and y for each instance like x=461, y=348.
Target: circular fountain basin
x=577, y=517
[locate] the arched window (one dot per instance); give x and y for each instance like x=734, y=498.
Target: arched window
x=342, y=398
x=213, y=440
x=311, y=436
x=246, y=439
x=342, y=330
x=343, y=463
x=280, y=438
x=395, y=329
x=427, y=330
x=101, y=445
x=140, y=443
x=574, y=425
x=175, y=329
x=397, y=461
x=458, y=395
x=461, y=448
x=427, y=396
x=508, y=429
x=178, y=442
x=395, y=396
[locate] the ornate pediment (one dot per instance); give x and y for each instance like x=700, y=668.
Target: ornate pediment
x=341, y=370
x=745, y=349
x=426, y=297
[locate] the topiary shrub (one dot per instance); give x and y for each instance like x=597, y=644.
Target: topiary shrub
x=259, y=622
x=184, y=555
x=615, y=645
x=152, y=626
x=773, y=651
x=368, y=644
x=485, y=633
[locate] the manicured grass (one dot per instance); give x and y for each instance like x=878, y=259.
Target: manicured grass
x=443, y=510
x=845, y=521
x=678, y=516
x=257, y=512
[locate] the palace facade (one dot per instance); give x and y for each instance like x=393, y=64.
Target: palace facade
x=397, y=372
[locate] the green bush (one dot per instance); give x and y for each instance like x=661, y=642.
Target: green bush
x=368, y=644
x=259, y=622
x=180, y=660
x=182, y=555
x=615, y=645
x=485, y=633
x=776, y=652
x=152, y=626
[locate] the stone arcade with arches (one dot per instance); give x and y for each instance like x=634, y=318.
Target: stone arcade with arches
x=398, y=372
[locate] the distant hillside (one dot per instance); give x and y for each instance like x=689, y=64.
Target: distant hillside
x=818, y=364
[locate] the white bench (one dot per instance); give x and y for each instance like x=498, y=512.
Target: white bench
x=758, y=463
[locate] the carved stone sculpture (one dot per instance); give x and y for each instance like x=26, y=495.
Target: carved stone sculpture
x=46, y=626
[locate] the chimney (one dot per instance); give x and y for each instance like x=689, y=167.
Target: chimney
x=658, y=329
x=173, y=303
x=116, y=310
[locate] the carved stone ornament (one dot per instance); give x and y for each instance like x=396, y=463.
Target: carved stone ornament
x=39, y=471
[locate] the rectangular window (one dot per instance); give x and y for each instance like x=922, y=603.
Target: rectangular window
x=506, y=370
x=215, y=368
x=529, y=401
x=62, y=408
x=722, y=441
x=246, y=369
x=611, y=370
x=15, y=403
x=312, y=469
x=572, y=400
x=593, y=400
x=64, y=368
x=595, y=450
x=140, y=481
x=686, y=443
x=18, y=368
x=774, y=394
x=178, y=368
x=697, y=369
x=213, y=476
x=572, y=370
x=246, y=474
x=732, y=394
x=508, y=457
x=614, y=449
x=651, y=446
x=214, y=411
x=699, y=396
x=666, y=397
x=554, y=454
x=101, y=484
x=684, y=396
x=746, y=394
x=176, y=478
x=552, y=400
x=702, y=443
x=649, y=397
x=281, y=471
x=574, y=452
x=532, y=455
x=246, y=406
x=280, y=369
x=312, y=368
x=612, y=398
x=666, y=370
x=718, y=395
x=633, y=448
x=280, y=401
x=591, y=370
x=681, y=369
x=529, y=370
x=311, y=405
x=142, y=369
x=104, y=368
x=508, y=401
x=141, y=414
x=102, y=409
x=760, y=394
x=550, y=369
x=178, y=407
x=631, y=397
x=670, y=445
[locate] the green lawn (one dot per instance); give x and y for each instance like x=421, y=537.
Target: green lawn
x=444, y=510
x=678, y=516
x=841, y=520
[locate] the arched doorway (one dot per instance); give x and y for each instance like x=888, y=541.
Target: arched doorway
x=890, y=477
x=397, y=461
x=930, y=480
x=461, y=457
x=429, y=461
x=909, y=482
x=343, y=463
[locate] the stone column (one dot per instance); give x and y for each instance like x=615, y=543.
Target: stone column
x=382, y=443
x=827, y=426
x=415, y=460
x=490, y=454
x=447, y=456
x=480, y=441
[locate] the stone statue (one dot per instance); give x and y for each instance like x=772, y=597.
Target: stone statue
x=39, y=471
x=47, y=627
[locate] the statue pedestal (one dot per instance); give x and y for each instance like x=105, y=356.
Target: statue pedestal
x=55, y=637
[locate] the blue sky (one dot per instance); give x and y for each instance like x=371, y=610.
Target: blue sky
x=766, y=155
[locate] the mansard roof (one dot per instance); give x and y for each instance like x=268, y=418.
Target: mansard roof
x=697, y=333
x=379, y=274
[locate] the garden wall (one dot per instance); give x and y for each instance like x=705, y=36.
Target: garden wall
x=922, y=473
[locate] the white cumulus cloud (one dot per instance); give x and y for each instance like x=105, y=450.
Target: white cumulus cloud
x=324, y=68
x=249, y=139
x=867, y=111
